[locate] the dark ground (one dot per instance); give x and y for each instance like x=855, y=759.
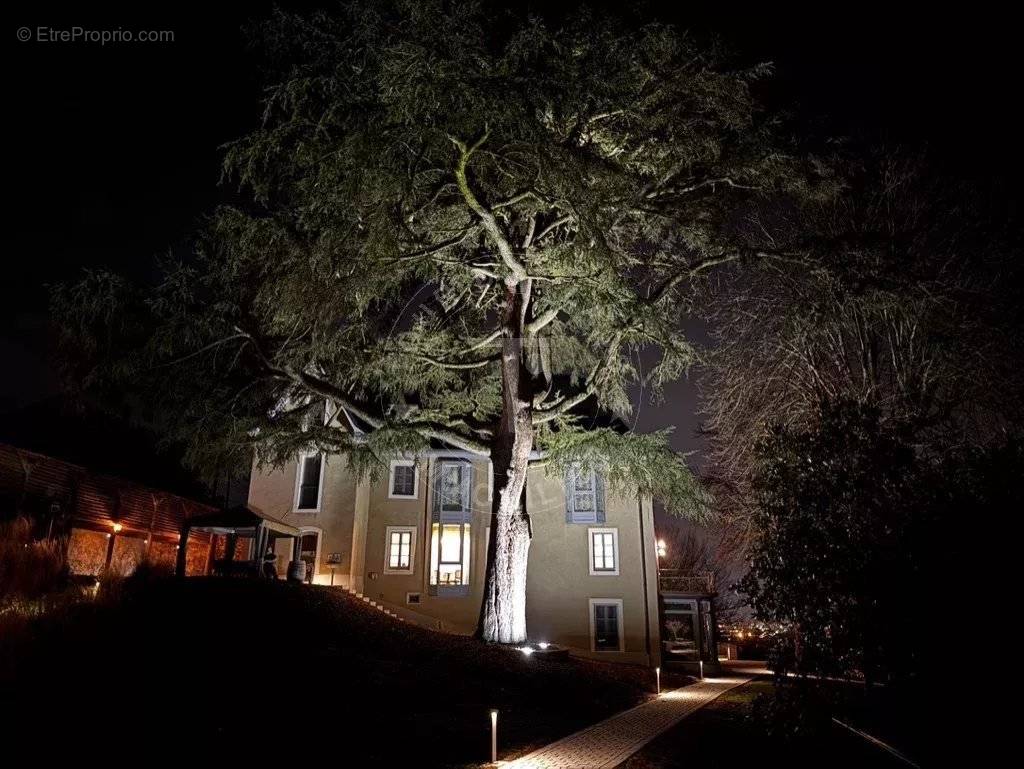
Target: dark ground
x=245, y=669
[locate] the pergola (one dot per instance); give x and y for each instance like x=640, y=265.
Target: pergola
x=237, y=522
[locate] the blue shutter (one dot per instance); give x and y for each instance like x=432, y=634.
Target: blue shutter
x=465, y=512
x=467, y=492
x=569, y=483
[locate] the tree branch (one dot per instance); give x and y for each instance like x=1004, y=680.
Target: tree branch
x=490, y=224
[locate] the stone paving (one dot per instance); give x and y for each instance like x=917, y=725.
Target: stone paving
x=610, y=742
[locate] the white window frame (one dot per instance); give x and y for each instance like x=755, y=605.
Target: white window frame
x=594, y=602
x=412, y=549
x=594, y=571
x=300, y=470
x=415, y=479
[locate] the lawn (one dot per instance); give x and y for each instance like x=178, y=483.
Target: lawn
x=726, y=734
x=242, y=668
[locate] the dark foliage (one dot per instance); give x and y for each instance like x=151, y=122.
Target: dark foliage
x=859, y=550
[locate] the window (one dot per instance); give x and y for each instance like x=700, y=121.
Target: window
x=401, y=544
x=679, y=628
x=404, y=480
x=604, y=551
x=606, y=624
x=450, y=533
x=584, y=496
x=449, y=558
x=453, y=486
x=309, y=483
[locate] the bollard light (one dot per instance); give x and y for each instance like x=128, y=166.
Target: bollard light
x=116, y=527
x=702, y=670
x=494, y=736
x=657, y=679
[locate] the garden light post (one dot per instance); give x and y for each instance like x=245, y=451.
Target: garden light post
x=494, y=736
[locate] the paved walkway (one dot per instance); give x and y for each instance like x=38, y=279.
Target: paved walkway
x=610, y=742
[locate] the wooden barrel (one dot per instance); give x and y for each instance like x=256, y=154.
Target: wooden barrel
x=297, y=571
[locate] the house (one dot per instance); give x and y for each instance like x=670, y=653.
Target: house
x=415, y=542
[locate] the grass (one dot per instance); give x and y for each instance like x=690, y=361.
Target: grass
x=247, y=668
x=725, y=733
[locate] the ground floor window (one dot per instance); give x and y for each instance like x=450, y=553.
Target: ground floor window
x=606, y=624
x=449, y=555
x=679, y=629
x=399, y=556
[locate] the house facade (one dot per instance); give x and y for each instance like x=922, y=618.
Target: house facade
x=416, y=542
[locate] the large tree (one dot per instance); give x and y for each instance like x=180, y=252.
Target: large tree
x=460, y=227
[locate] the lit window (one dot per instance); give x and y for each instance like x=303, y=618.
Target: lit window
x=307, y=488
x=401, y=544
x=584, y=496
x=449, y=555
x=604, y=551
x=404, y=479
x=606, y=624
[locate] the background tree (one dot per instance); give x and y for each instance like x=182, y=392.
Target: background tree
x=462, y=227
x=698, y=562
x=897, y=294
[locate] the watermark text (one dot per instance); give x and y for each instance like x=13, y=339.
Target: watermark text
x=46, y=34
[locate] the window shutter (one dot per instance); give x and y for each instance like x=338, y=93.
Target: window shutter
x=599, y=496
x=464, y=513
x=467, y=492
x=570, y=481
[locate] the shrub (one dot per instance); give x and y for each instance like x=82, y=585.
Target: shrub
x=29, y=569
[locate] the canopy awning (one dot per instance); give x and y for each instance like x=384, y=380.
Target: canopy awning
x=241, y=520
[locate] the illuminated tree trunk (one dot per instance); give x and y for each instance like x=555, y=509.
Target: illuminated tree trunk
x=503, y=613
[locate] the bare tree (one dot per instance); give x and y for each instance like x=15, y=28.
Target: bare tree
x=891, y=295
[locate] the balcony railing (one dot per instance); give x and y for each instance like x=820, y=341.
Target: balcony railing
x=672, y=580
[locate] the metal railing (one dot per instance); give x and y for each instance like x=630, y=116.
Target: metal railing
x=674, y=580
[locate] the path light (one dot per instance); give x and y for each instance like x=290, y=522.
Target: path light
x=543, y=644
x=116, y=527
x=494, y=736
x=657, y=679
x=702, y=670
x=527, y=650
x=662, y=550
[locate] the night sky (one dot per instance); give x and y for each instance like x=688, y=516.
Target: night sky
x=114, y=156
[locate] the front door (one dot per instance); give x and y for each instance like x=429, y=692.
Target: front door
x=307, y=552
